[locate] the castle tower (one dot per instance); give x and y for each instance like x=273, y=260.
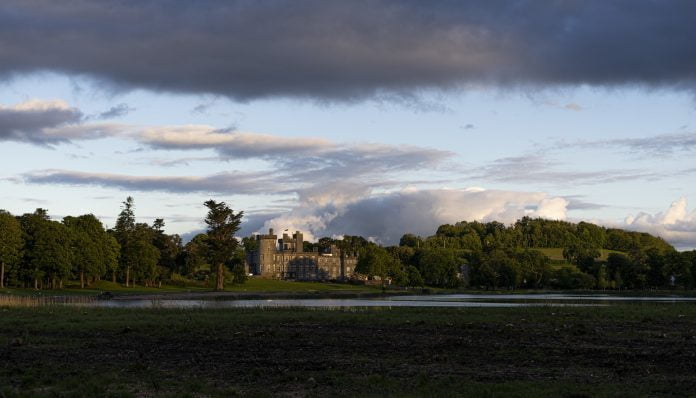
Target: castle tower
x=266, y=251
x=299, y=242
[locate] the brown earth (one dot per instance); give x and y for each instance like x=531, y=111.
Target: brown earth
x=400, y=352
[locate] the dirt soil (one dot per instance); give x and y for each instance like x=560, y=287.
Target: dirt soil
x=400, y=352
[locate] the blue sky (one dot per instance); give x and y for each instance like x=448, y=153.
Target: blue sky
x=439, y=127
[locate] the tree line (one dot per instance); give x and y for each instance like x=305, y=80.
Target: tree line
x=38, y=252
x=493, y=255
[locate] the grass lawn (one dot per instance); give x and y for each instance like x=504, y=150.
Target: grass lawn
x=627, y=351
x=252, y=285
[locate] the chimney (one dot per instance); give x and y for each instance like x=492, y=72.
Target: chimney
x=270, y=231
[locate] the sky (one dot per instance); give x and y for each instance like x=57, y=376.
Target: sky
x=373, y=118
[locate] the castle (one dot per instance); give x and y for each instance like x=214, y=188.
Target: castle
x=286, y=259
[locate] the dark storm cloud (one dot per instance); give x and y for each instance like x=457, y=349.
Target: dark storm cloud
x=345, y=50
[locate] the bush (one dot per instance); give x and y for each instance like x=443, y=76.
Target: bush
x=568, y=278
x=239, y=274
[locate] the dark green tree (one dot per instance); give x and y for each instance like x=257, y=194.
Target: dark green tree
x=124, y=232
x=10, y=243
x=411, y=240
x=374, y=261
x=582, y=254
x=195, y=255
x=504, y=267
x=439, y=267
x=414, y=277
x=89, y=258
x=535, y=267
x=112, y=252
x=47, y=252
x=145, y=263
x=619, y=269
x=222, y=223
x=169, y=246
x=677, y=269
x=250, y=244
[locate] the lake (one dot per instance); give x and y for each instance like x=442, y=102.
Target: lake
x=448, y=300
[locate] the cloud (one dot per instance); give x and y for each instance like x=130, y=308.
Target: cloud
x=230, y=144
x=298, y=159
x=574, y=107
x=676, y=225
x=337, y=50
x=32, y=121
x=386, y=217
x=540, y=169
x=309, y=156
x=243, y=183
x=576, y=202
x=186, y=161
x=659, y=145
x=313, y=169
x=332, y=171
x=115, y=111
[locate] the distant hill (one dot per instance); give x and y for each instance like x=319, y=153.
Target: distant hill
x=537, y=233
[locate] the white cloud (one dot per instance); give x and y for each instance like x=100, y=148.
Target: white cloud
x=388, y=216
x=230, y=143
x=676, y=225
x=38, y=105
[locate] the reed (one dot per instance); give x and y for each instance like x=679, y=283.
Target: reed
x=43, y=301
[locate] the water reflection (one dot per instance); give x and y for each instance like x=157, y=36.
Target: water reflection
x=449, y=300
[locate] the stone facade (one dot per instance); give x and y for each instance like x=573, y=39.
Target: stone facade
x=285, y=259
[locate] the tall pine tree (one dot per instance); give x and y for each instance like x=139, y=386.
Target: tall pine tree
x=222, y=223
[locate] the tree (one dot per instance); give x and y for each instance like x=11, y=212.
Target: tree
x=411, y=240
x=414, y=277
x=439, y=267
x=618, y=267
x=677, y=269
x=195, y=255
x=239, y=275
x=88, y=247
x=503, y=268
x=222, y=223
x=236, y=266
x=373, y=261
x=145, y=263
x=112, y=252
x=535, y=267
x=47, y=249
x=139, y=256
x=169, y=246
x=602, y=280
x=250, y=244
x=10, y=243
x=582, y=254
x=124, y=232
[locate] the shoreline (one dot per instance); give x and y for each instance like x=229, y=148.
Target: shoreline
x=259, y=295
